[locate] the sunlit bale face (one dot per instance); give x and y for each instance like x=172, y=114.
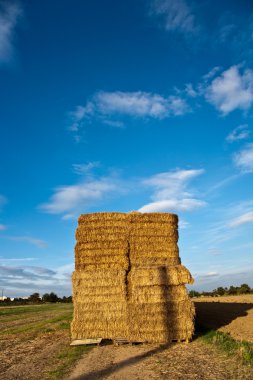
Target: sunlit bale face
x=128, y=280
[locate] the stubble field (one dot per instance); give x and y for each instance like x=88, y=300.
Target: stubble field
x=34, y=343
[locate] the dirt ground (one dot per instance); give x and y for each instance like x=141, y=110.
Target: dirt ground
x=143, y=362
x=230, y=314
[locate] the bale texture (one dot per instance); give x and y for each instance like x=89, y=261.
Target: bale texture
x=128, y=279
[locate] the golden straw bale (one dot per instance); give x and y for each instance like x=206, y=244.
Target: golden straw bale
x=174, y=275
x=153, y=232
x=153, y=217
x=80, y=252
x=106, y=298
x=138, y=254
x=158, y=241
x=103, y=259
x=81, y=236
x=109, y=266
x=100, y=225
x=103, y=245
x=150, y=294
x=155, y=261
x=103, y=230
x=82, y=292
x=99, y=278
x=154, y=309
x=102, y=216
x=95, y=308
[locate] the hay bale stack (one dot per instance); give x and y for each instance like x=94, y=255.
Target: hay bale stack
x=129, y=280
x=99, y=280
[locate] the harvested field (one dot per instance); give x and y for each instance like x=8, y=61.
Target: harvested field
x=174, y=362
x=34, y=342
x=230, y=314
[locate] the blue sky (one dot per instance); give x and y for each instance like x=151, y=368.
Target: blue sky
x=121, y=106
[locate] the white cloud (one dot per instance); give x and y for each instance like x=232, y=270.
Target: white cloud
x=244, y=158
x=243, y=219
x=169, y=191
x=173, y=205
x=28, y=239
x=106, y=106
x=2, y=227
x=9, y=15
x=232, y=90
x=78, y=198
x=241, y=132
x=177, y=15
x=82, y=169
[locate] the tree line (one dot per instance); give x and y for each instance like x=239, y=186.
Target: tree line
x=227, y=291
x=35, y=298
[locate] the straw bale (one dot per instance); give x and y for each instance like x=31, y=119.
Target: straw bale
x=162, y=336
x=138, y=254
x=100, y=290
x=150, y=294
x=160, y=217
x=155, y=261
x=157, y=308
x=95, y=308
x=99, y=278
x=110, y=224
x=103, y=245
x=83, y=237
x=158, y=241
x=153, y=232
x=94, y=267
x=103, y=230
x=174, y=275
x=106, y=298
x=102, y=216
x=80, y=252
x=103, y=259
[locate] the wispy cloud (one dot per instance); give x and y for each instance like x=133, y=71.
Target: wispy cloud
x=84, y=169
x=25, y=280
x=244, y=159
x=69, y=200
x=171, y=193
x=3, y=227
x=15, y=259
x=177, y=16
x=9, y=15
x=232, y=90
x=242, y=132
x=242, y=219
x=28, y=239
x=107, y=107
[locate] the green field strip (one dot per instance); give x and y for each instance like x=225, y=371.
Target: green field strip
x=19, y=310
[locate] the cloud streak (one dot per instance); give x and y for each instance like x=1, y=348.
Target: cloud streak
x=171, y=193
x=176, y=15
x=106, y=106
x=244, y=159
x=243, y=219
x=9, y=15
x=241, y=132
x=28, y=239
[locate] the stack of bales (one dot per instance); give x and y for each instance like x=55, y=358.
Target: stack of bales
x=99, y=280
x=159, y=307
x=128, y=279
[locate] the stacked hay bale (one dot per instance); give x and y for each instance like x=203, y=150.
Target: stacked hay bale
x=128, y=279
x=159, y=306
x=99, y=280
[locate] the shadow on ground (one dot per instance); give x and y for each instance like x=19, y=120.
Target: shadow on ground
x=213, y=315
x=98, y=375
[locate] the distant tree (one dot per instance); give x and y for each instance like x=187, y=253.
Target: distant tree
x=52, y=297
x=35, y=297
x=232, y=290
x=244, y=289
x=220, y=291
x=194, y=293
